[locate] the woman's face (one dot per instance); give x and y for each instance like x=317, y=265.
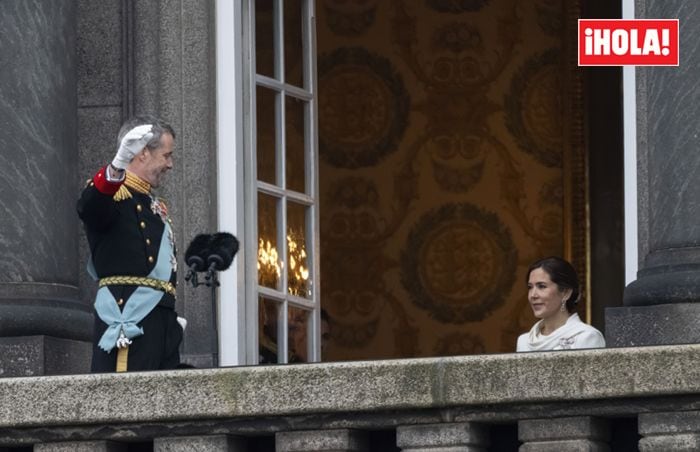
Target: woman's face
x=544, y=295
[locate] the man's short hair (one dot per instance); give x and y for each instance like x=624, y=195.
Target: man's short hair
x=159, y=128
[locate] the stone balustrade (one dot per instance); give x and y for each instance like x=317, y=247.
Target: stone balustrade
x=590, y=400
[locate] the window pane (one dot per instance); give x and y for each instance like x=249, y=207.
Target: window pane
x=295, y=143
x=264, y=37
x=266, y=105
x=293, y=56
x=268, y=319
x=269, y=262
x=298, y=271
x=298, y=323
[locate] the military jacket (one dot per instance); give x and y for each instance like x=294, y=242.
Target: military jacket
x=124, y=224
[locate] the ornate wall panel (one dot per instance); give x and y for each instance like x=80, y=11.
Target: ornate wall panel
x=448, y=156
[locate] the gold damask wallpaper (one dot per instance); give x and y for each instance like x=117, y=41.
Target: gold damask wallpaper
x=442, y=152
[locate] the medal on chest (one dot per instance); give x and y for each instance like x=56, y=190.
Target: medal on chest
x=171, y=237
x=159, y=208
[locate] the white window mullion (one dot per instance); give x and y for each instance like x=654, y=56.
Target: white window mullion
x=273, y=190
x=279, y=39
x=276, y=85
x=252, y=353
x=282, y=337
x=298, y=92
x=281, y=180
x=280, y=173
x=311, y=128
x=272, y=294
x=267, y=82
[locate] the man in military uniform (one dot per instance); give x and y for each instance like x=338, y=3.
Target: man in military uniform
x=133, y=253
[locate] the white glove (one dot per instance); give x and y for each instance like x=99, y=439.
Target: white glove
x=183, y=322
x=132, y=143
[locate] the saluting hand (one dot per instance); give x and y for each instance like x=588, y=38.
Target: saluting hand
x=132, y=143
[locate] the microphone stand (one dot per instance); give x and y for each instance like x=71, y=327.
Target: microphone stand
x=192, y=275
x=212, y=280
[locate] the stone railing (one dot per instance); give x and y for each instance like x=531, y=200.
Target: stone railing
x=559, y=401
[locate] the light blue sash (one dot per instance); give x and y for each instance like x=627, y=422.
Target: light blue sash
x=139, y=304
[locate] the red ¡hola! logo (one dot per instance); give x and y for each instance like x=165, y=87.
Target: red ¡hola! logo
x=621, y=42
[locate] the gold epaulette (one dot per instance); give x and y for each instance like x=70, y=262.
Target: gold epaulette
x=132, y=183
x=122, y=194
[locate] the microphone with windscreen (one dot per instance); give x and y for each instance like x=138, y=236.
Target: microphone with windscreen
x=196, y=256
x=221, y=251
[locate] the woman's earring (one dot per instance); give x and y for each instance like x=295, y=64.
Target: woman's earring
x=563, y=304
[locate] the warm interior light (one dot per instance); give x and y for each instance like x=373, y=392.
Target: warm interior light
x=270, y=265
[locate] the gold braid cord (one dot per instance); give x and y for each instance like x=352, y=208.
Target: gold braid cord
x=136, y=183
x=122, y=194
x=132, y=182
x=165, y=286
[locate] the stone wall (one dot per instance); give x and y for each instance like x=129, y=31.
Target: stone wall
x=555, y=401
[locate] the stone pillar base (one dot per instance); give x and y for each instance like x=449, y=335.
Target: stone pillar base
x=24, y=356
x=573, y=445
x=670, y=443
x=661, y=324
x=81, y=446
x=572, y=434
x=667, y=432
x=213, y=443
x=340, y=440
x=448, y=437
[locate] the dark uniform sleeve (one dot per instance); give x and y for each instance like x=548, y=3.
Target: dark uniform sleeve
x=96, y=206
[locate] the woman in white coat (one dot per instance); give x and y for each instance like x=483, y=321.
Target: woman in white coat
x=553, y=292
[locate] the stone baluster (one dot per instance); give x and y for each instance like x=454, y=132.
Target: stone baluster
x=571, y=434
x=670, y=432
x=450, y=437
x=341, y=440
x=81, y=446
x=210, y=443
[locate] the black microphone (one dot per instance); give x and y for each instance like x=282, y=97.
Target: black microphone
x=222, y=249
x=196, y=254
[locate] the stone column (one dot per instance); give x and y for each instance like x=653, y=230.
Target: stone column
x=213, y=443
x=465, y=437
x=322, y=441
x=175, y=78
x=670, y=432
x=81, y=446
x=572, y=434
x=661, y=307
x=39, y=293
